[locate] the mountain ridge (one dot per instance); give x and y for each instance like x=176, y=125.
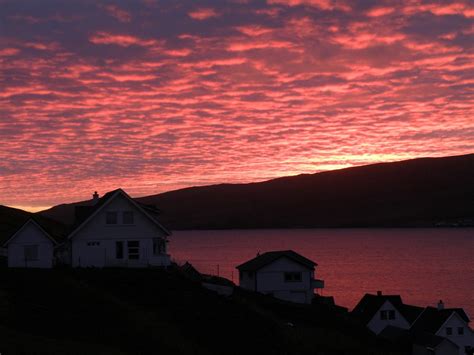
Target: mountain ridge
x=420, y=192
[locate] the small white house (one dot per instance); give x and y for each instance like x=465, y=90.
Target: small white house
x=117, y=231
x=379, y=311
x=450, y=323
x=283, y=274
x=31, y=246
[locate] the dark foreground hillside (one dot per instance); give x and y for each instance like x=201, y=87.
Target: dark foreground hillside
x=160, y=312
x=421, y=192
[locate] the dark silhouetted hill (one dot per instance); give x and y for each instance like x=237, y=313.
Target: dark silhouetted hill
x=151, y=311
x=418, y=192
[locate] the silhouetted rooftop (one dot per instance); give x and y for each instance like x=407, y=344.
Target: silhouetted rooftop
x=266, y=258
x=432, y=318
x=370, y=304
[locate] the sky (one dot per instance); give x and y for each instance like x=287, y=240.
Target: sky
x=153, y=95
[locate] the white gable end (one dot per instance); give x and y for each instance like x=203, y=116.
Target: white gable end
x=391, y=316
x=30, y=247
x=458, y=331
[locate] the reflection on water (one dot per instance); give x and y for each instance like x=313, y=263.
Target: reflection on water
x=422, y=265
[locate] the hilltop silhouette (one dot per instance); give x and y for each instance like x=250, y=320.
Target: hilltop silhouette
x=418, y=192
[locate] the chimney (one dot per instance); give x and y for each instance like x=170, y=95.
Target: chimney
x=95, y=197
x=440, y=305
x=379, y=293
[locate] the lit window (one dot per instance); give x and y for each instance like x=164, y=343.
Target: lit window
x=293, y=277
x=133, y=250
x=391, y=314
x=449, y=331
x=119, y=250
x=30, y=252
x=111, y=218
x=383, y=315
x=460, y=331
x=127, y=217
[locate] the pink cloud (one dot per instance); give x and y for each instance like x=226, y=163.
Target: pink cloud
x=120, y=40
x=380, y=11
x=6, y=52
x=203, y=14
x=321, y=4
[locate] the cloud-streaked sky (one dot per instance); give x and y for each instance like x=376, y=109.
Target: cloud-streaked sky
x=157, y=95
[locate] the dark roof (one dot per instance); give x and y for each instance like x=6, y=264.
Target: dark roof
x=432, y=318
x=370, y=304
x=266, y=258
x=55, y=230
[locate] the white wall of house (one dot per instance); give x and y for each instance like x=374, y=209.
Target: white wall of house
x=455, y=322
x=270, y=279
x=95, y=244
x=377, y=324
x=30, y=236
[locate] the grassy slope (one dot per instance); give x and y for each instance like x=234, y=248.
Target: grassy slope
x=153, y=311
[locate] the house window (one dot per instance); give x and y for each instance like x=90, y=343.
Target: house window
x=133, y=249
x=460, y=331
x=250, y=275
x=449, y=331
x=391, y=314
x=111, y=217
x=293, y=277
x=383, y=315
x=119, y=250
x=30, y=252
x=93, y=244
x=159, y=246
x=127, y=217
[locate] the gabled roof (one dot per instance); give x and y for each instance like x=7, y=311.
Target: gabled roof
x=431, y=319
x=52, y=230
x=88, y=212
x=369, y=305
x=266, y=258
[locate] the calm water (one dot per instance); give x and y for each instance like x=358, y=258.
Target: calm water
x=422, y=265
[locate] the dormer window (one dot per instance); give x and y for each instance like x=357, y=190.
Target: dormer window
x=460, y=330
x=449, y=331
x=127, y=217
x=111, y=217
x=391, y=314
x=383, y=315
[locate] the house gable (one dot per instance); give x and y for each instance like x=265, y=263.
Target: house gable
x=106, y=203
x=31, y=247
x=30, y=232
x=391, y=315
x=96, y=226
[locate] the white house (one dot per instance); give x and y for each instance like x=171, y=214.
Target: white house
x=283, y=274
x=450, y=323
x=379, y=311
x=117, y=232
x=32, y=246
